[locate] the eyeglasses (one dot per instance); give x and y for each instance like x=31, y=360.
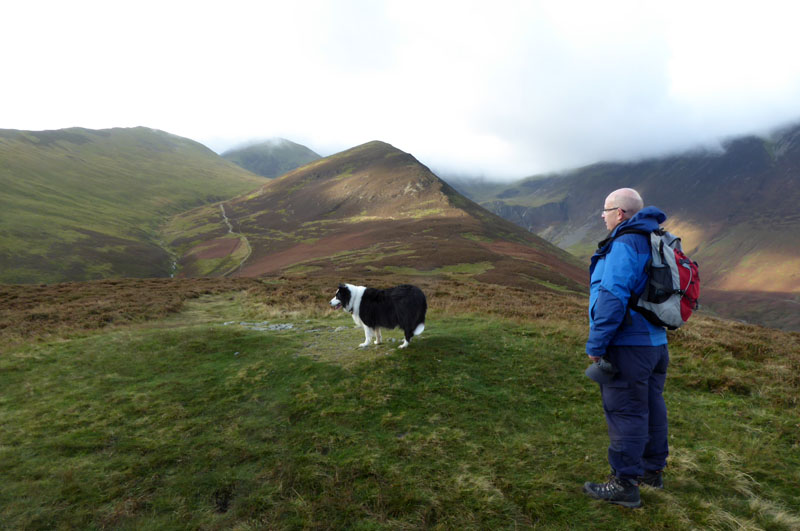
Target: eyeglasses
x=613, y=208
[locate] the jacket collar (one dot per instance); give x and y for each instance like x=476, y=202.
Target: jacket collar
x=647, y=219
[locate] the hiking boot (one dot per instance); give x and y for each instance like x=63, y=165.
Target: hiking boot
x=617, y=491
x=652, y=478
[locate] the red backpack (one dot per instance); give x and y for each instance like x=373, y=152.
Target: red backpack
x=673, y=282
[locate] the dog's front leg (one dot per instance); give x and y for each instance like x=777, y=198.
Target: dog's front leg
x=378, y=338
x=368, y=334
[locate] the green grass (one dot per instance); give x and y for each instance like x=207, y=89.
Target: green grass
x=484, y=422
x=79, y=204
x=476, y=237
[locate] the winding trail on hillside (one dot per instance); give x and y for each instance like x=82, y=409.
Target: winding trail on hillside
x=240, y=236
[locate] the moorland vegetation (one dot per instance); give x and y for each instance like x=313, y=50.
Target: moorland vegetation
x=80, y=204
x=157, y=403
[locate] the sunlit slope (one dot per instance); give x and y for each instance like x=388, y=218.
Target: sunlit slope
x=737, y=211
x=79, y=204
x=367, y=211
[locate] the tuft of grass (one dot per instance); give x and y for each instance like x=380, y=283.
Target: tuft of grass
x=476, y=237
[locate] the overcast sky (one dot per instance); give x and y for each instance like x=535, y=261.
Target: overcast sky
x=503, y=89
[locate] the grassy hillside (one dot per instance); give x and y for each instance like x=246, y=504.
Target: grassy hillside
x=736, y=212
x=371, y=210
x=272, y=158
x=186, y=411
x=78, y=204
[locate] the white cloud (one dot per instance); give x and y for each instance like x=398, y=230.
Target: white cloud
x=498, y=88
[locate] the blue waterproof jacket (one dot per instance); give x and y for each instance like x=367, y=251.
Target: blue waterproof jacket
x=617, y=270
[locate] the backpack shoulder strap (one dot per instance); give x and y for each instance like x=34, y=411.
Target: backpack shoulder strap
x=634, y=298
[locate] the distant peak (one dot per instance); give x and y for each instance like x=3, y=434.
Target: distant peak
x=275, y=142
x=373, y=145
x=380, y=143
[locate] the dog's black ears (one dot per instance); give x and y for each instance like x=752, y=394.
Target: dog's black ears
x=342, y=286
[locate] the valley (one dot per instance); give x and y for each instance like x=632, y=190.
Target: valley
x=80, y=204
x=735, y=210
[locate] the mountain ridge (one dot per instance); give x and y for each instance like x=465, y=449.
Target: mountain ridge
x=368, y=211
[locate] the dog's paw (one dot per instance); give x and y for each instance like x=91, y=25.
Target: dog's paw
x=404, y=345
x=365, y=344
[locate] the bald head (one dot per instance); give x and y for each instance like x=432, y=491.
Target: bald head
x=620, y=205
x=627, y=199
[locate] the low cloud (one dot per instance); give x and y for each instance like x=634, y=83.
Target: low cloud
x=503, y=89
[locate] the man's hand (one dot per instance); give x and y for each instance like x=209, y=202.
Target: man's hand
x=594, y=358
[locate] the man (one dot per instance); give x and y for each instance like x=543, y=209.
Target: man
x=633, y=402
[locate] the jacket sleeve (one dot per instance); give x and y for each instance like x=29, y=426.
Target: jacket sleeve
x=620, y=276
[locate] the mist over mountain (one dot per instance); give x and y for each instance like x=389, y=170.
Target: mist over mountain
x=736, y=211
x=271, y=158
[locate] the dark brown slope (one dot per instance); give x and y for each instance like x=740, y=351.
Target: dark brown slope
x=367, y=212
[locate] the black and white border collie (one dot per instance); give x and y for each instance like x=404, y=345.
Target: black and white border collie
x=404, y=306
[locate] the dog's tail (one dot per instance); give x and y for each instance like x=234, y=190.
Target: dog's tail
x=418, y=330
